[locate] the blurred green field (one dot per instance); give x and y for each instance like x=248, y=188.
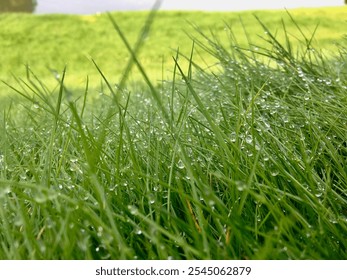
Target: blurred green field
x=49, y=42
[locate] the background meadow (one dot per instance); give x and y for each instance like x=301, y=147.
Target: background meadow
x=51, y=42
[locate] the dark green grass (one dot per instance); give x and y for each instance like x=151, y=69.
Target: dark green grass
x=245, y=162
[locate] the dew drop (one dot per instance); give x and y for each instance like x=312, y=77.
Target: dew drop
x=4, y=191
x=211, y=202
x=249, y=139
x=241, y=186
x=233, y=137
x=133, y=209
x=180, y=164
x=319, y=194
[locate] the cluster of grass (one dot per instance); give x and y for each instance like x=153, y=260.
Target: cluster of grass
x=49, y=42
x=247, y=162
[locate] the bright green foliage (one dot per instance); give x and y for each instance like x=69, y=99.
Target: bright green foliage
x=50, y=42
x=247, y=161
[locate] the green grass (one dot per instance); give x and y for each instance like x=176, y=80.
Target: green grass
x=49, y=42
x=247, y=161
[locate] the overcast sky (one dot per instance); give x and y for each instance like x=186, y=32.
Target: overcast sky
x=243, y=4
x=93, y=6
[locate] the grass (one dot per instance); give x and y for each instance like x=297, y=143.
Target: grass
x=247, y=161
x=49, y=42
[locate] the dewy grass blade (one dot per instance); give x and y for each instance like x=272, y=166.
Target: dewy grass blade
x=134, y=59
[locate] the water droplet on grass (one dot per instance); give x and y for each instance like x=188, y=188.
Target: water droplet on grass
x=249, y=139
x=42, y=248
x=133, y=209
x=241, y=186
x=211, y=203
x=233, y=137
x=42, y=197
x=180, y=164
x=100, y=231
x=319, y=194
x=18, y=221
x=4, y=191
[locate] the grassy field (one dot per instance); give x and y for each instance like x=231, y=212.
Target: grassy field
x=247, y=161
x=49, y=42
